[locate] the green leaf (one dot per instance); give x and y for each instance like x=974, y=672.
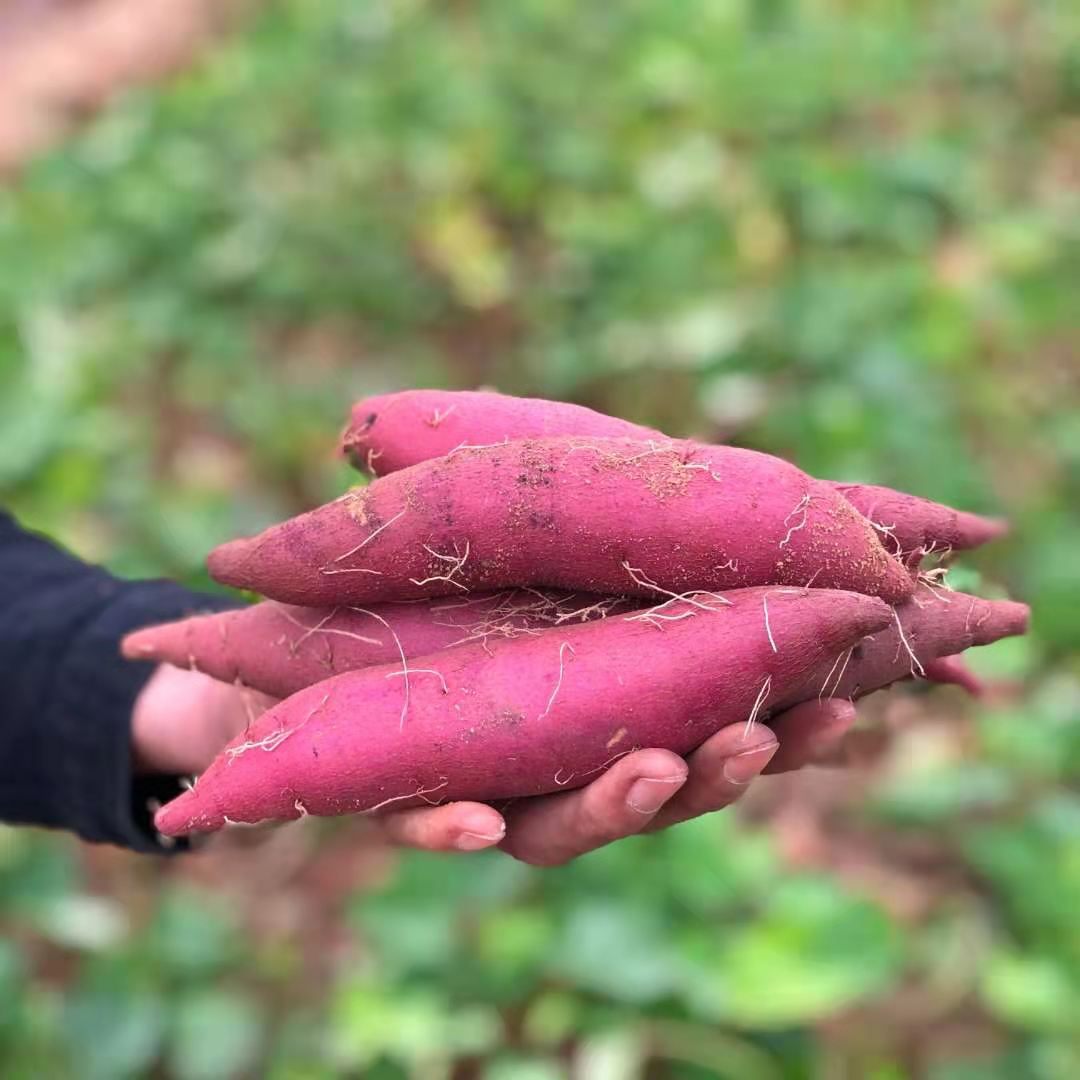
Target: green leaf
x=214, y=1035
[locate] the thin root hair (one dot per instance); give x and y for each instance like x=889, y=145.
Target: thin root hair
x=438, y=416
x=801, y=507
x=420, y=793
x=916, y=666
x=363, y=543
x=563, y=647
x=768, y=628
x=763, y=693
x=271, y=742
x=401, y=652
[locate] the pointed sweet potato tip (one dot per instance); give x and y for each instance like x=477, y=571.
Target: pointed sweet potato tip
x=229, y=563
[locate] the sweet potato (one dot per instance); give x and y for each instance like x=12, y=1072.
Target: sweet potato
x=528, y=716
x=279, y=649
x=606, y=516
x=924, y=633
x=393, y=431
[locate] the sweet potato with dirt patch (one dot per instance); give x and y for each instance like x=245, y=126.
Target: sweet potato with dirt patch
x=279, y=649
x=394, y=431
x=605, y=516
x=528, y=716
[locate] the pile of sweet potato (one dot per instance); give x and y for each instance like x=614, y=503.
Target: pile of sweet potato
x=531, y=590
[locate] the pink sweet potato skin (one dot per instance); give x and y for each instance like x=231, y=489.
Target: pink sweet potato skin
x=278, y=649
x=524, y=717
x=935, y=628
x=394, y=431
x=605, y=516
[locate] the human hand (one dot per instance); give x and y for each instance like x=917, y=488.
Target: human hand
x=182, y=719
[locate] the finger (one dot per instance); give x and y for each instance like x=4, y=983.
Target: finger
x=952, y=669
x=457, y=826
x=553, y=829
x=720, y=770
x=810, y=733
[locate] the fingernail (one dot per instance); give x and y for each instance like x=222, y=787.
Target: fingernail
x=741, y=768
x=471, y=841
x=646, y=796
x=479, y=832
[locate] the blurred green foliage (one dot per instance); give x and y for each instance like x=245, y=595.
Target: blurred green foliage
x=844, y=232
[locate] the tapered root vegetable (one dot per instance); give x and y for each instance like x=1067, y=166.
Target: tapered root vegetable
x=394, y=431
x=923, y=634
x=280, y=649
x=606, y=516
x=529, y=716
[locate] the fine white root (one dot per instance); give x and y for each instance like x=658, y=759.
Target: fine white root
x=802, y=507
x=326, y=572
x=478, y=446
x=943, y=552
x=934, y=581
x=438, y=416
x=420, y=793
x=321, y=628
x=967, y=618
x=563, y=648
x=364, y=543
x=333, y=631
x=421, y=671
x=515, y=612
x=654, y=449
x=372, y=456
x=300, y=808
x=457, y=563
x=763, y=693
x=839, y=675
x=888, y=532
x=916, y=666
x=639, y=578
x=607, y=455
x=294, y=646
x=768, y=628
x=271, y=742
x=599, y=768
x=702, y=466
x=401, y=652
x=656, y=616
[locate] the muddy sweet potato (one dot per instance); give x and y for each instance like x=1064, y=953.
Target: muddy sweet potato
x=394, y=431
x=605, y=516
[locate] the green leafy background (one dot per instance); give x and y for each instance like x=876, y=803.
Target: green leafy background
x=845, y=232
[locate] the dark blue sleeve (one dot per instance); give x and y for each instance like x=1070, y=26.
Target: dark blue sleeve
x=66, y=694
